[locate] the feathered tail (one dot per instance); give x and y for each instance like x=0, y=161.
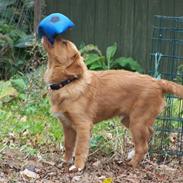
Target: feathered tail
x=171, y=87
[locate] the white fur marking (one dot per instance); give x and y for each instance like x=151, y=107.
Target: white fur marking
x=62, y=117
x=73, y=167
x=131, y=154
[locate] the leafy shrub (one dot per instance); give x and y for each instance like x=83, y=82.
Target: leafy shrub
x=9, y=63
x=96, y=61
x=19, y=50
x=19, y=13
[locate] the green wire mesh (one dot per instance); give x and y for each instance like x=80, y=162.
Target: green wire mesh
x=167, y=63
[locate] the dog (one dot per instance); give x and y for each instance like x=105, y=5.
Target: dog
x=81, y=98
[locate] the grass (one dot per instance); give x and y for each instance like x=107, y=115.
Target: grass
x=29, y=124
x=32, y=126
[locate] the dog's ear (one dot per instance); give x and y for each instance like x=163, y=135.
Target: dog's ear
x=75, y=68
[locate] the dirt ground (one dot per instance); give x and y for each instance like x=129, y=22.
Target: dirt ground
x=16, y=167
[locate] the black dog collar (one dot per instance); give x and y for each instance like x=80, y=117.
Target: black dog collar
x=57, y=86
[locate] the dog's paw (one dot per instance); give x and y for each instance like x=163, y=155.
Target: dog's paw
x=133, y=163
x=73, y=168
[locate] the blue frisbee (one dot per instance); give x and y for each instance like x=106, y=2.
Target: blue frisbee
x=53, y=25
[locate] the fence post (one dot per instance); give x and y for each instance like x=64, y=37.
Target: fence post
x=37, y=14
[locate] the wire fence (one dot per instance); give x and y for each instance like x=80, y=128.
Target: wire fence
x=167, y=63
x=18, y=13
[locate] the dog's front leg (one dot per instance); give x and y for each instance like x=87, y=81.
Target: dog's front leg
x=69, y=143
x=83, y=131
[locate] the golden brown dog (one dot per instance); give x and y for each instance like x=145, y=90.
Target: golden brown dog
x=81, y=98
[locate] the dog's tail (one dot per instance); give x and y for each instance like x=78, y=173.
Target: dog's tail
x=171, y=87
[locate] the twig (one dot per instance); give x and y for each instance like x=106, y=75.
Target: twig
x=93, y=152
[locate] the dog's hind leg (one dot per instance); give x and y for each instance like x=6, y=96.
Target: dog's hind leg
x=141, y=135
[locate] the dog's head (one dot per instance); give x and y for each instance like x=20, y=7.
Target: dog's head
x=64, y=60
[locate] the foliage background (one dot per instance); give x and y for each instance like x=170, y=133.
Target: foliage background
x=19, y=51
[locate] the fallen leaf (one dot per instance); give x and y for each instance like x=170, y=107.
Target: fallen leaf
x=107, y=180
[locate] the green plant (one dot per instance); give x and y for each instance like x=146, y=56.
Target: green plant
x=26, y=118
x=19, y=50
x=93, y=57
x=96, y=61
x=18, y=13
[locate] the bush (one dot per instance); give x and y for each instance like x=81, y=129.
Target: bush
x=96, y=61
x=19, y=51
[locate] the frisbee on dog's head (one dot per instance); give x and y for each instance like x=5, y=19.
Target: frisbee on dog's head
x=53, y=25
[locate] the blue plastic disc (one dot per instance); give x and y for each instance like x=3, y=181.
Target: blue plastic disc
x=53, y=25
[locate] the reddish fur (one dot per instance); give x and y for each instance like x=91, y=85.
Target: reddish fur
x=100, y=95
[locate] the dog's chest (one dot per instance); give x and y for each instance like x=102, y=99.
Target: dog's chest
x=64, y=119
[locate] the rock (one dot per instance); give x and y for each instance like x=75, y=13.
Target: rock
x=29, y=174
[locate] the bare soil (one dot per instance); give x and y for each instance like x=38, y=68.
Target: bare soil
x=17, y=167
